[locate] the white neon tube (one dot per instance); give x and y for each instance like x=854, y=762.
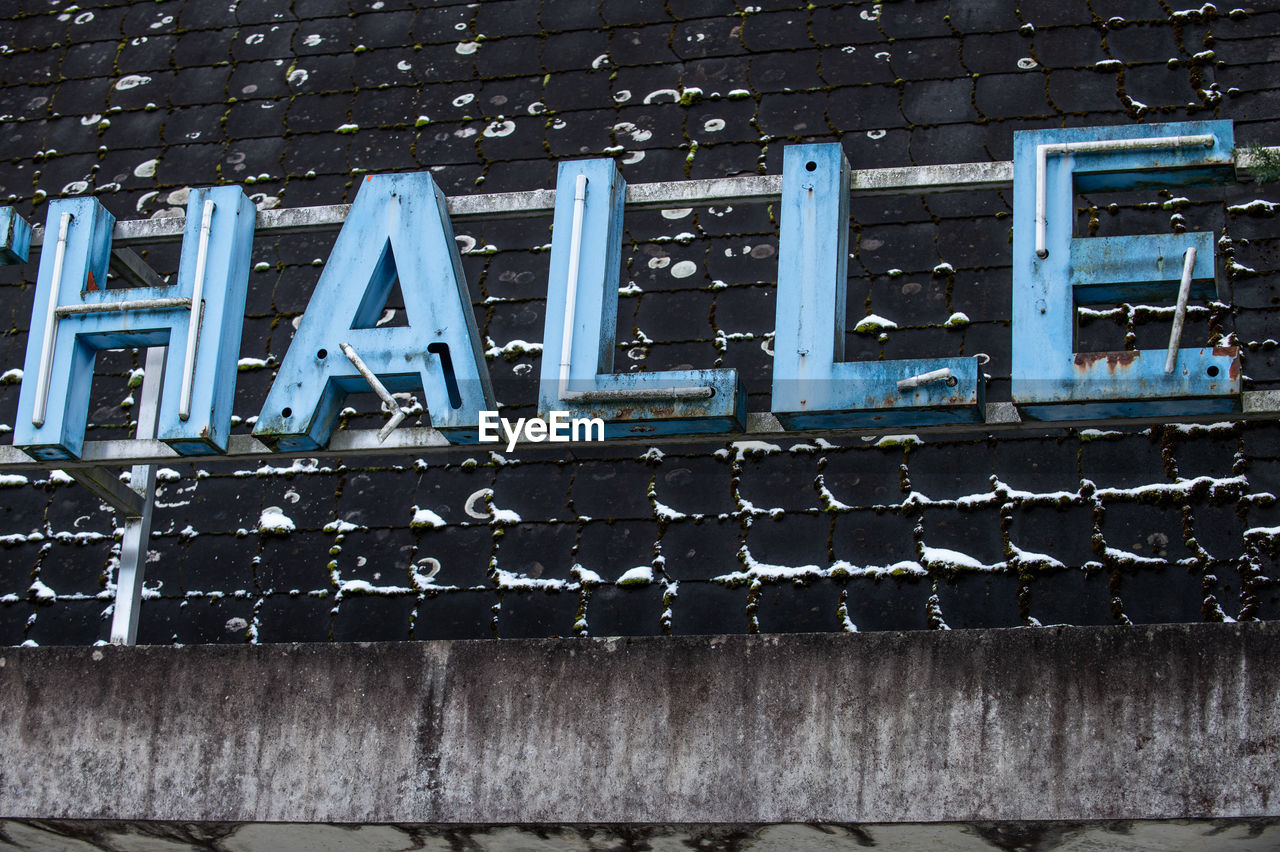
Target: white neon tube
x=50, y=325
x=197, y=313
x=1180, y=312
x=940, y=375
x=127, y=305
x=571, y=296
x=1092, y=147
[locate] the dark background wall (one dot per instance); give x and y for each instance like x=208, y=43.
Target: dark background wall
x=134, y=103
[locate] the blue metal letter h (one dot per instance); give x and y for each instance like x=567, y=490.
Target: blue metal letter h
x=199, y=319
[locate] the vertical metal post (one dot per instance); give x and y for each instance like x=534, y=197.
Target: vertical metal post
x=137, y=529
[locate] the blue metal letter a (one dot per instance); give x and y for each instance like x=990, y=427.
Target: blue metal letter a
x=398, y=228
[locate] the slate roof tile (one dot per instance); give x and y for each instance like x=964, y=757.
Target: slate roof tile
x=691, y=39
x=559, y=17
x=536, y=614
x=327, y=73
x=322, y=36
x=466, y=614
x=724, y=160
x=709, y=609
x=613, y=611
x=695, y=550
x=442, y=63
x=387, y=68
x=1132, y=10
x=1012, y=95
x=1068, y=47
x=800, y=608
x=31, y=66
x=1143, y=43
x=515, y=18
x=985, y=53
x=776, y=72
x=152, y=89
x=388, y=28
x=92, y=59
x=315, y=113
x=977, y=601
x=984, y=17
x=641, y=45
x=864, y=537
x=856, y=66
x=623, y=12
x=927, y=58
x=795, y=538
x=849, y=24
x=388, y=150
x=1159, y=85
x=769, y=31
x=287, y=618
x=948, y=143
x=199, y=85
x=253, y=118
x=50, y=625
x=439, y=24
x=509, y=97
x=792, y=114
x=580, y=133
x=613, y=548
x=1083, y=91
x=392, y=106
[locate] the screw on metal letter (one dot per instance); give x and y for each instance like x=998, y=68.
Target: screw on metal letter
x=1053, y=272
x=813, y=387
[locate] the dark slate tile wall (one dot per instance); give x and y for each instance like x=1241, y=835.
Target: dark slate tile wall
x=136, y=102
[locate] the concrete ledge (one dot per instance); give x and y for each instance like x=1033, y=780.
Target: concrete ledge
x=1169, y=722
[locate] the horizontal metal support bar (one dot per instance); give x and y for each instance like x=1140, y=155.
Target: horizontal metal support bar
x=112, y=307
x=743, y=189
x=134, y=270
x=421, y=440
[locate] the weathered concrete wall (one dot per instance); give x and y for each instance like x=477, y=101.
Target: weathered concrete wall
x=1047, y=724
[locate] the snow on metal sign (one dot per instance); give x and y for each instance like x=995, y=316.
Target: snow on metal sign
x=399, y=228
